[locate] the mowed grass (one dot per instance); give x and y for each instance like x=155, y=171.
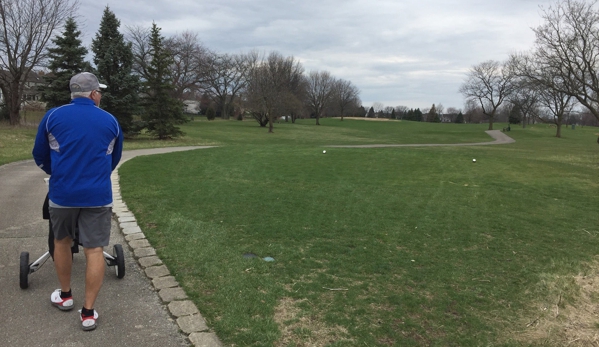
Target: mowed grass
x=16, y=142
x=374, y=246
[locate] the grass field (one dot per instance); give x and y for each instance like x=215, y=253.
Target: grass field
x=414, y=246
x=378, y=247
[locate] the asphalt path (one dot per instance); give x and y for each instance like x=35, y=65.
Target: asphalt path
x=131, y=313
x=499, y=137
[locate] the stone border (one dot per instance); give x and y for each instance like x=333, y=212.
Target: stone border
x=188, y=317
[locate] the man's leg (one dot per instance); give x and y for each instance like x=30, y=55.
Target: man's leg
x=94, y=275
x=63, y=261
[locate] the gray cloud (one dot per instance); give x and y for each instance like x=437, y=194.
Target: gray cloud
x=412, y=53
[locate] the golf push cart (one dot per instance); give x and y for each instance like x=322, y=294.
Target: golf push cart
x=117, y=259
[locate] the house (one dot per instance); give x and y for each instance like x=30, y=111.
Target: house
x=31, y=97
x=191, y=106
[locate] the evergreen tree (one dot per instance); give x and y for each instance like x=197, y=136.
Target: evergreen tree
x=393, y=114
x=460, y=118
x=432, y=113
x=370, y=113
x=515, y=116
x=361, y=111
x=114, y=61
x=161, y=110
x=418, y=115
x=210, y=114
x=66, y=59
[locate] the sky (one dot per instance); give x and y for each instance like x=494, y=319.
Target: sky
x=397, y=52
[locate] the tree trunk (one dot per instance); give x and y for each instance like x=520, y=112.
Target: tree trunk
x=559, y=131
x=317, y=119
x=559, y=127
x=270, y=125
x=224, y=111
x=491, y=123
x=12, y=102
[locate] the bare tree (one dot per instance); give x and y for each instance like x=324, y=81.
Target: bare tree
x=400, y=111
x=451, y=114
x=473, y=113
x=387, y=111
x=346, y=96
x=489, y=84
x=559, y=105
x=525, y=97
x=26, y=28
x=318, y=92
x=567, y=44
x=226, y=77
x=140, y=44
x=190, y=60
x=378, y=107
x=274, y=88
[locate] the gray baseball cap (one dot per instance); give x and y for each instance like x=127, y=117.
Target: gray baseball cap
x=85, y=82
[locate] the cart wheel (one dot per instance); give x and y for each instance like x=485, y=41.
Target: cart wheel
x=119, y=268
x=24, y=270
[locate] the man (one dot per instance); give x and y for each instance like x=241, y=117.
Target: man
x=79, y=145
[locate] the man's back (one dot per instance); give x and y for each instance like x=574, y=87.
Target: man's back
x=81, y=144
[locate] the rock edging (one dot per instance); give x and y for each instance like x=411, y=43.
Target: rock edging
x=186, y=314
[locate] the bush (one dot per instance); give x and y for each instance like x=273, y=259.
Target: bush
x=210, y=113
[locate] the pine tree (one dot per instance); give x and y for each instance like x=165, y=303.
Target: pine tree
x=114, y=61
x=515, y=116
x=161, y=110
x=66, y=60
x=460, y=118
x=370, y=113
x=432, y=113
x=418, y=115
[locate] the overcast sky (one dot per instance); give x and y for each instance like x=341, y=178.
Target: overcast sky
x=398, y=52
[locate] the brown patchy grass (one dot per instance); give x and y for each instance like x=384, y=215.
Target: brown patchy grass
x=304, y=330
x=560, y=322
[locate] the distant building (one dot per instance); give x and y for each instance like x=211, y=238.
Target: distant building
x=31, y=97
x=191, y=106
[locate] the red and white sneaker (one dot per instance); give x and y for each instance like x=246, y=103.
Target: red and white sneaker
x=88, y=322
x=63, y=304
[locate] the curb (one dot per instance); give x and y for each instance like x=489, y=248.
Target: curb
x=186, y=314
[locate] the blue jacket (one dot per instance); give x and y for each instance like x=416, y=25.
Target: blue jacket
x=79, y=145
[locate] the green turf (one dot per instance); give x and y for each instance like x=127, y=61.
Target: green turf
x=372, y=247
x=16, y=143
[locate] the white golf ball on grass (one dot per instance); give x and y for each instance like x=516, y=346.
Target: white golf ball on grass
x=324, y=152
x=474, y=160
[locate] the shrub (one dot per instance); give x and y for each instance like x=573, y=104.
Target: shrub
x=210, y=113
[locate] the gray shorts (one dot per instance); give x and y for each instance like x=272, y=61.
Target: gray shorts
x=92, y=224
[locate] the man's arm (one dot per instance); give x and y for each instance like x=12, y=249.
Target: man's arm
x=41, y=148
x=117, y=152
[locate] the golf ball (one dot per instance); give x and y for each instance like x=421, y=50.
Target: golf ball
x=324, y=152
x=474, y=160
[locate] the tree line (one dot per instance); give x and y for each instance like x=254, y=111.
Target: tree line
x=149, y=75
x=557, y=81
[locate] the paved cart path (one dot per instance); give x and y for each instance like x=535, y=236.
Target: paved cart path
x=131, y=312
x=499, y=137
